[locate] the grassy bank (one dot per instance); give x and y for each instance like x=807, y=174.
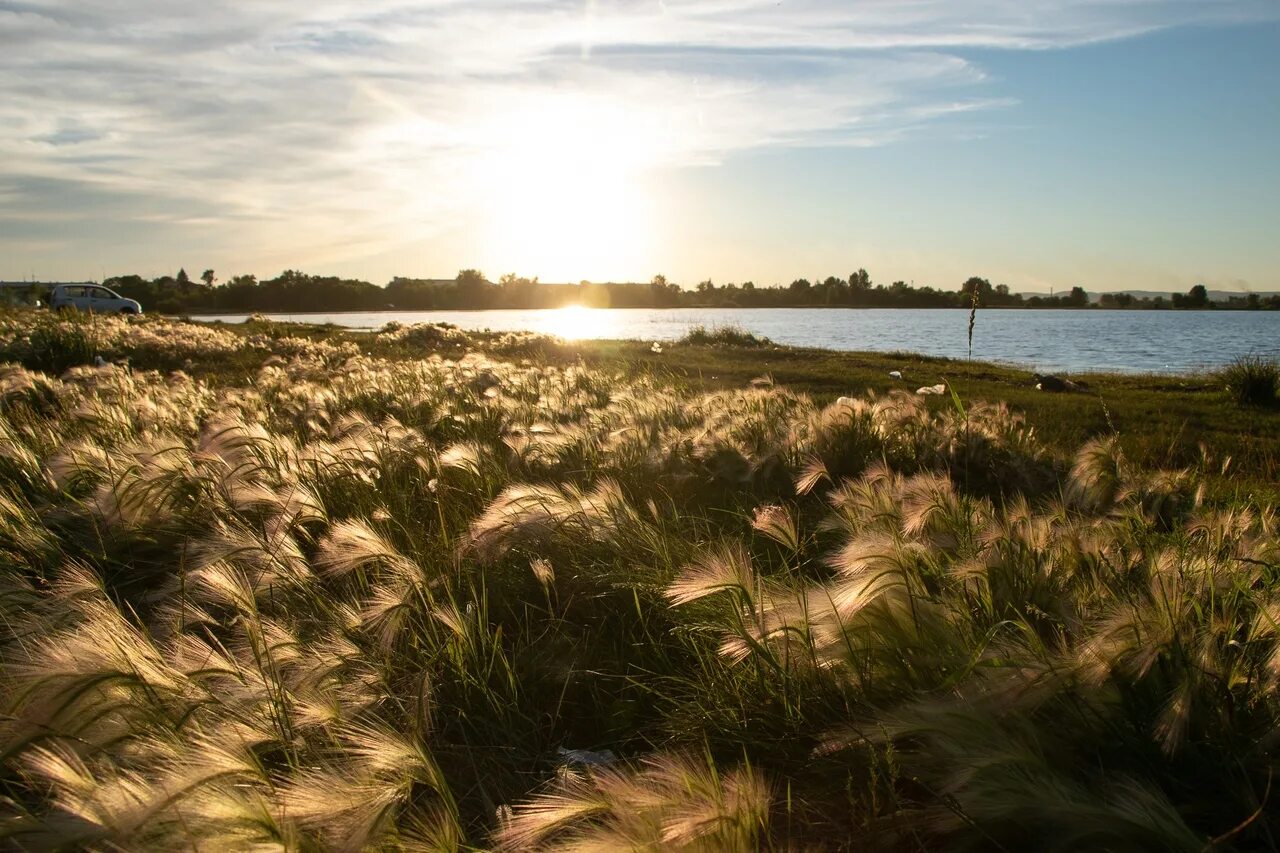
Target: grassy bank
x=1160, y=421
x=301, y=588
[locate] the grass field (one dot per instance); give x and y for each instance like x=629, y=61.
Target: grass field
x=290, y=587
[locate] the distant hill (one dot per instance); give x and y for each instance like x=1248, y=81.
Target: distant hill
x=1214, y=295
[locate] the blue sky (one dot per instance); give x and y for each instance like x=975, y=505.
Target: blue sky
x=1109, y=144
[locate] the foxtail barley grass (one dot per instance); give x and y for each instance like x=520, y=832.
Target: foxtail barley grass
x=973, y=317
x=333, y=601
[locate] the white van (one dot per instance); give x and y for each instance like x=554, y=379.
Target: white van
x=91, y=297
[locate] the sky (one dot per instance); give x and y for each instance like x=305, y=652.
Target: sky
x=1112, y=144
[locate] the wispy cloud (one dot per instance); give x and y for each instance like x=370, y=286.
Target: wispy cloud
x=336, y=127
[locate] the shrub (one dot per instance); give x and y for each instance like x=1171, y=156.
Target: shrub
x=1252, y=380
x=725, y=336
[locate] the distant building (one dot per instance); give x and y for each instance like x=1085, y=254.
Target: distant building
x=401, y=281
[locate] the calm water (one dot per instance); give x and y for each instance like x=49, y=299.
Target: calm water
x=1130, y=341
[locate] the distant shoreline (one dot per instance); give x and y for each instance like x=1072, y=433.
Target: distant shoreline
x=958, y=309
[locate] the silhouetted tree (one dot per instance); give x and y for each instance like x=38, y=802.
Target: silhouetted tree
x=472, y=290
x=662, y=293
x=294, y=290
x=977, y=285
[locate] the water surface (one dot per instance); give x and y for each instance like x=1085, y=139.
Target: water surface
x=1061, y=340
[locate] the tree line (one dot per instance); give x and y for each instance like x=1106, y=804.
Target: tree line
x=294, y=291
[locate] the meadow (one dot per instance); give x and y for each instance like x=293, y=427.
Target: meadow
x=284, y=587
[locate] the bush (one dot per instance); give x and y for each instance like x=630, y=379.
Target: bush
x=725, y=336
x=1252, y=380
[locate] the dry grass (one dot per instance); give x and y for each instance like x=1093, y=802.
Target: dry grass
x=340, y=602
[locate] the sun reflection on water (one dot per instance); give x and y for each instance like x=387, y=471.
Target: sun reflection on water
x=577, y=322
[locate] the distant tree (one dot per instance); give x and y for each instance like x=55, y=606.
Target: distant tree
x=471, y=290
x=132, y=287
x=294, y=290
x=979, y=287
x=118, y=282
x=1115, y=300
x=517, y=291
x=662, y=293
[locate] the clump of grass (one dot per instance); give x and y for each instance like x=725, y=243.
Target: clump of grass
x=723, y=336
x=1253, y=380
x=429, y=336
x=57, y=344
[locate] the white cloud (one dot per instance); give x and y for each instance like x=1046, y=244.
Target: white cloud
x=334, y=128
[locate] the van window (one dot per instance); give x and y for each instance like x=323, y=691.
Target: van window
x=101, y=293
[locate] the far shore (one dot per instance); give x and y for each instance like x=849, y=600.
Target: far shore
x=957, y=309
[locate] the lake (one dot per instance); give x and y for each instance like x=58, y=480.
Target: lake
x=1044, y=340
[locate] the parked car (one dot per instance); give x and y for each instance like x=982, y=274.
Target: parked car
x=91, y=297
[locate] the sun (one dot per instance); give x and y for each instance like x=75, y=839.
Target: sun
x=566, y=198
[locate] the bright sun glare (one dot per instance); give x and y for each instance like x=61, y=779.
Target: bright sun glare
x=574, y=322
x=565, y=199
